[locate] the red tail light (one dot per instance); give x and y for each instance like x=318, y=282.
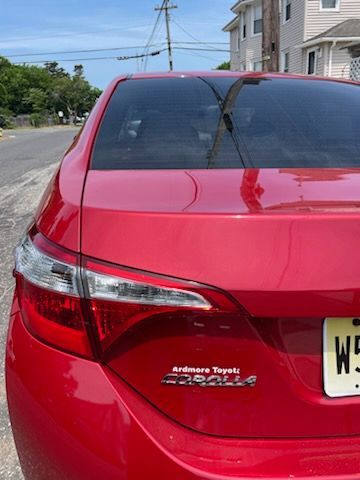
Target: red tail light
x=72, y=306
x=47, y=280
x=120, y=298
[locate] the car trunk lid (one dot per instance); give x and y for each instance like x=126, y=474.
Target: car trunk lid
x=282, y=243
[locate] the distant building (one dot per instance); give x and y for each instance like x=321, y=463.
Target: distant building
x=317, y=37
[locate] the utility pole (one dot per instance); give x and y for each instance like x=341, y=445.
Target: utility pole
x=166, y=7
x=271, y=35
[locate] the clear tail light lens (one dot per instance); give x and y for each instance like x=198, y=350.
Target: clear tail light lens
x=129, y=291
x=44, y=271
x=58, y=310
x=47, y=284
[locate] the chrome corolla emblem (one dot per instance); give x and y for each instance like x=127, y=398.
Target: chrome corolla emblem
x=208, y=377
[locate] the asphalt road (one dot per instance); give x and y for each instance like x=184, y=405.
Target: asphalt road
x=28, y=158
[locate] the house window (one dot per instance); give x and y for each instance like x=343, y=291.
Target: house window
x=257, y=19
x=311, y=62
x=286, y=10
x=242, y=26
x=285, y=62
x=257, y=66
x=242, y=67
x=332, y=5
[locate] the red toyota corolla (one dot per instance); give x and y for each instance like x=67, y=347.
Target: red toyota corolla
x=187, y=300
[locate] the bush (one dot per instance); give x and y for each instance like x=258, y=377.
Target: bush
x=55, y=119
x=5, y=121
x=37, y=119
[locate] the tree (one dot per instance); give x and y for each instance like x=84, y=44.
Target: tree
x=223, y=66
x=79, y=71
x=75, y=96
x=55, y=71
x=44, y=90
x=3, y=95
x=38, y=99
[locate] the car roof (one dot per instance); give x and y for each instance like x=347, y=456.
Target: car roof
x=224, y=73
x=228, y=73
x=206, y=73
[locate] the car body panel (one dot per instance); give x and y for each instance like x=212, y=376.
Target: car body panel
x=87, y=423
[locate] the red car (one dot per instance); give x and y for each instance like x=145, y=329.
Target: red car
x=187, y=300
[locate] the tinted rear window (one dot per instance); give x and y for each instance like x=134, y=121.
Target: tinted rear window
x=224, y=122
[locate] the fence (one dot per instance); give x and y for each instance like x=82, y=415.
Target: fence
x=355, y=69
x=25, y=121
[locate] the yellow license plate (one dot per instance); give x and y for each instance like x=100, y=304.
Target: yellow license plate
x=341, y=356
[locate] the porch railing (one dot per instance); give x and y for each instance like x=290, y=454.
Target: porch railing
x=355, y=69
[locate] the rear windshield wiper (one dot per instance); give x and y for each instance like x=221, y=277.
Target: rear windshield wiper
x=225, y=121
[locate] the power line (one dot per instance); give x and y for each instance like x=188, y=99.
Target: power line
x=158, y=35
x=81, y=51
x=66, y=60
x=94, y=50
x=189, y=34
x=156, y=38
x=115, y=58
x=142, y=55
x=125, y=57
x=204, y=49
x=200, y=56
x=198, y=42
x=156, y=24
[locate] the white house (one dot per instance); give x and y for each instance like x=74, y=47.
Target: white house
x=317, y=37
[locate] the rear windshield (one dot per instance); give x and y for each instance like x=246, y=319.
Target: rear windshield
x=227, y=122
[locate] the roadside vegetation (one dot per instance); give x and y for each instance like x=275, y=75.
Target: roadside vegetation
x=223, y=66
x=42, y=92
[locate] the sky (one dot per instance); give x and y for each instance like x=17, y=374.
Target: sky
x=49, y=27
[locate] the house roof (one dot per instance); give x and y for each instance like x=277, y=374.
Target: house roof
x=353, y=47
x=240, y=4
x=236, y=5
x=349, y=30
x=231, y=25
x=236, y=8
